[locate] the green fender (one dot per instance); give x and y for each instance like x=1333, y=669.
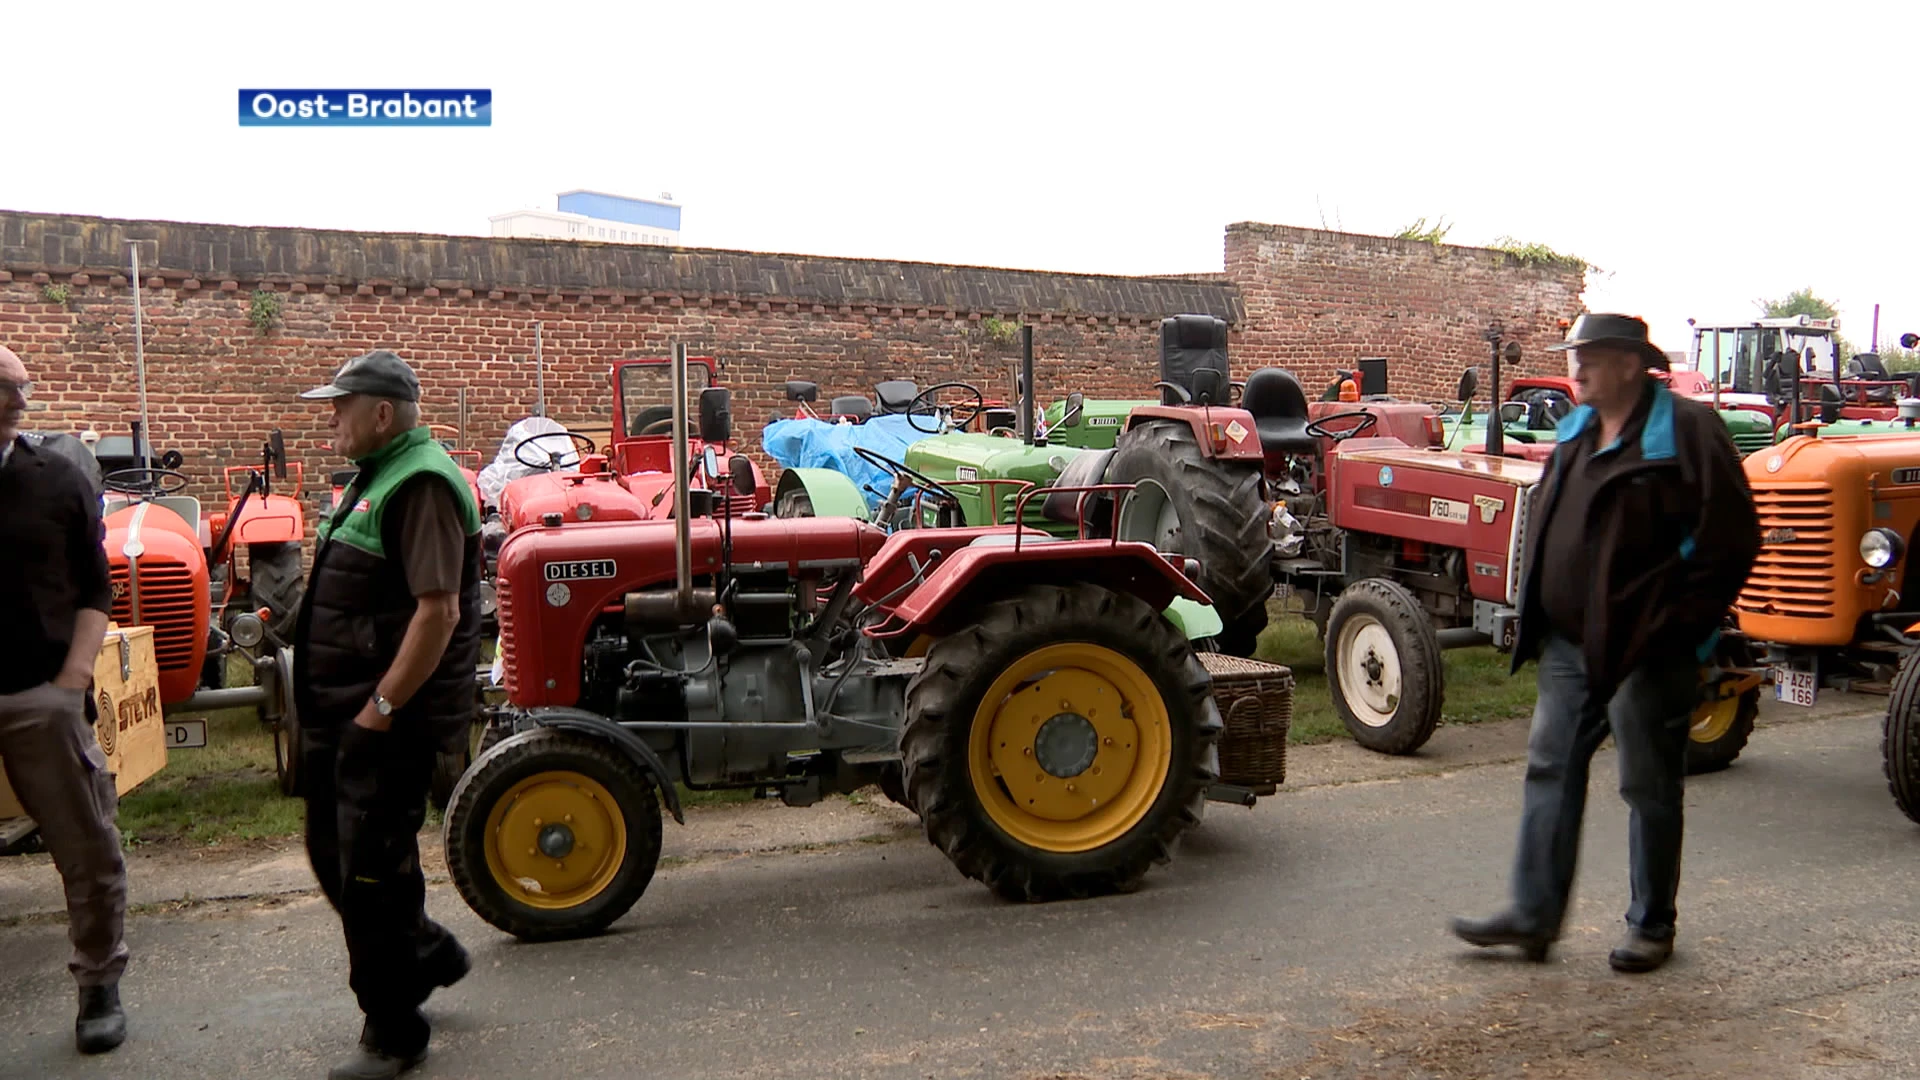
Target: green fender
x=1195, y=619
x=826, y=493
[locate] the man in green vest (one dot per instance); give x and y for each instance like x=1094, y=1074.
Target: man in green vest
x=385, y=646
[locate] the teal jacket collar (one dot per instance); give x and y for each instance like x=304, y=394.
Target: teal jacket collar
x=1656, y=435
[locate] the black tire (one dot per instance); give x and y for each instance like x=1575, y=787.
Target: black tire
x=287, y=756
x=796, y=503
x=493, y=776
x=276, y=583
x=1709, y=751
x=943, y=703
x=1414, y=664
x=1900, y=738
x=448, y=766
x=893, y=784
x=1222, y=512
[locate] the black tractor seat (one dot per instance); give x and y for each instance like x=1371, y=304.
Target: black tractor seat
x=1279, y=408
x=895, y=395
x=852, y=405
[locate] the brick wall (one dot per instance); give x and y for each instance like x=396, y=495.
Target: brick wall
x=1318, y=301
x=463, y=309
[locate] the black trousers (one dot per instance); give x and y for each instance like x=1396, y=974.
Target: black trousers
x=366, y=795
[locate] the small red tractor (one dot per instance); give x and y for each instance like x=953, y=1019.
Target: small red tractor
x=180, y=571
x=1057, y=736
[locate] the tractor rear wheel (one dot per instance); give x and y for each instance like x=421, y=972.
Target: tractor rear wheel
x=275, y=583
x=1385, y=667
x=1900, y=737
x=1213, y=511
x=1722, y=725
x=1060, y=745
x=552, y=835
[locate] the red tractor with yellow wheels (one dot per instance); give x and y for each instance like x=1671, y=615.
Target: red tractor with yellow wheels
x=1055, y=731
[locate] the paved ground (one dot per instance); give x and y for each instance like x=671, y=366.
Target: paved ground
x=1304, y=938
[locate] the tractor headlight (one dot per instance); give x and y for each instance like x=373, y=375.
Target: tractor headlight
x=1881, y=548
x=247, y=630
x=488, y=600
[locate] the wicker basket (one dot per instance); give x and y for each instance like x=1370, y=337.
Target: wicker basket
x=1255, y=699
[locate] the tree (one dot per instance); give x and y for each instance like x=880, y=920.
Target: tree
x=1798, y=302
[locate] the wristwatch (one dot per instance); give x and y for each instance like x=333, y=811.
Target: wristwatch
x=382, y=706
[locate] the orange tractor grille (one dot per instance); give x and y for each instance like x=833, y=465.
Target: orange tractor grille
x=503, y=614
x=1797, y=571
x=166, y=604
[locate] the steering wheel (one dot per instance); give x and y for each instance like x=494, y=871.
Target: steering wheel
x=143, y=481
x=894, y=468
x=1317, y=429
x=549, y=463
x=658, y=427
x=979, y=406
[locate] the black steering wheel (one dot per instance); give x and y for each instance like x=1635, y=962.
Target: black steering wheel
x=1317, y=429
x=143, y=481
x=979, y=406
x=549, y=463
x=894, y=468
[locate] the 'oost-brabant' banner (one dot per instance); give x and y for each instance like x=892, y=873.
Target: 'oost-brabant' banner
x=366, y=108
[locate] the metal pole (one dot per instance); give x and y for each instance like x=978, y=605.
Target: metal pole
x=682, y=536
x=539, y=376
x=462, y=437
x=1496, y=429
x=140, y=438
x=1716, y=369
x=1027, y=397
x=1875, y=346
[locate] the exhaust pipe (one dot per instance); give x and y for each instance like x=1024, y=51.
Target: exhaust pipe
x=1028, y=399
x=682, y=534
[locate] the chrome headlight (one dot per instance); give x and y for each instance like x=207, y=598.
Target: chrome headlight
x=488, y=600
x=1881, y=548
x=247, y=630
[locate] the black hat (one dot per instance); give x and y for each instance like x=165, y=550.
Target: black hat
x=1623, y=330
x=380, y=373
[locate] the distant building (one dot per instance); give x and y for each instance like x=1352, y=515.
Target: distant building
x=596, y=216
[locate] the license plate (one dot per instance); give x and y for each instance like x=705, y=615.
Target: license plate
x=186, y=734
x=1795, y=687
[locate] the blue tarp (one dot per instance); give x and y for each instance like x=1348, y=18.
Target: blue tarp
x=817, y=444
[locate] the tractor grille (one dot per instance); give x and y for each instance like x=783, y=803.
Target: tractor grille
x=1034, y=517
x=1748, y=441
x=166, y=604
x=503, y=614
x=1796, y=573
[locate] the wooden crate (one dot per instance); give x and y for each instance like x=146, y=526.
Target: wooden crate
x=130, y=726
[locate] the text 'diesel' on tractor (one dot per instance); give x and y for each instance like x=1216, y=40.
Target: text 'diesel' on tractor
x=1056, y=737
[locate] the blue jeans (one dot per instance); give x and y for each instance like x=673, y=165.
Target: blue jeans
x=1648, y=716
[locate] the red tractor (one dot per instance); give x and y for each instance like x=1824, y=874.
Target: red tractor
x=1056, y=737
x=180, y=571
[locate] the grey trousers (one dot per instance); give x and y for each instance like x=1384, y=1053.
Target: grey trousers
x=59, y=773
x=1648, y=717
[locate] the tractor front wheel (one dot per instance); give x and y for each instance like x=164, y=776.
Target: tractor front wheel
x=1384, y=666
x=552, y=835
x=1900, y=737
x=1723, y=721
x=1060, y=745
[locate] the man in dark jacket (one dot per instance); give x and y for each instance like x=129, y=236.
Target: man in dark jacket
x=387, y=640
x=1644, y=531
x=57, y=595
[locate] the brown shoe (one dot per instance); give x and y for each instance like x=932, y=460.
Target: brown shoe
x=1639, y=953
x=1503, y=929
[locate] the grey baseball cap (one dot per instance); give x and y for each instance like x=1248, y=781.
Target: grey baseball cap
x=380, y=373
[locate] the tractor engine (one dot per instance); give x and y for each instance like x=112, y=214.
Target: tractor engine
x=592, y=617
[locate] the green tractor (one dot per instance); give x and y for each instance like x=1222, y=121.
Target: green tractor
x=1216, y=512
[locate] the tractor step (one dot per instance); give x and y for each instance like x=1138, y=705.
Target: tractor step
x=14, y=831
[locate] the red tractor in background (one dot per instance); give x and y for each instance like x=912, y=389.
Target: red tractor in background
x=1056, y=738
x=180, y=571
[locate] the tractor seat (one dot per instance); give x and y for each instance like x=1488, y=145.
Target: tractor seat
x=1006, y=540
x=895, y=395
x=1279, y=408
x=1086, y=469
x=851, y=405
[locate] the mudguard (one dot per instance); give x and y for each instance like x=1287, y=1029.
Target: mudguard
x=1223, y=432
x=832, y=494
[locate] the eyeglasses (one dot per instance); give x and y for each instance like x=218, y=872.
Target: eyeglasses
x=9, y=388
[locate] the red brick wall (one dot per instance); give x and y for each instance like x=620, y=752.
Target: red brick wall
x=462, y=310
x=1319, y=301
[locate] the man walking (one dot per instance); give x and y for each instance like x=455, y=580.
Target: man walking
x=55, y=590
x=387, y=639
x=1646, y=532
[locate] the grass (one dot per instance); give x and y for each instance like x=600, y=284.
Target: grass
x=1477, y=684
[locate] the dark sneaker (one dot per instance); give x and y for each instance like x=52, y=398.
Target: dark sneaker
x=448, y=965
x=368, y=1063
x=1638, y=953
x=1503, y=929
x=102, y=1024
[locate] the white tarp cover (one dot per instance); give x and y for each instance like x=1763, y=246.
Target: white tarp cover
x=556, y=453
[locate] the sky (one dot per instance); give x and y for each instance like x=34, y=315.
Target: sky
x=1702, y=156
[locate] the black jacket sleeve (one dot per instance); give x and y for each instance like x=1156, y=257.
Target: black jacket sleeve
x=87, y=553
x=1725, y=539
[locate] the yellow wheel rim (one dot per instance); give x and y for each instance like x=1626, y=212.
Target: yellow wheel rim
x=1712, y=720
x=920, y=646
x=1070, y=747
x=555, y=840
